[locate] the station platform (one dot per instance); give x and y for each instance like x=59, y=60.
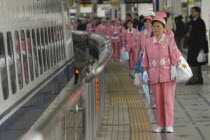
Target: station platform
x=128, y=116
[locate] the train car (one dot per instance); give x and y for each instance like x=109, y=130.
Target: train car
x=36, y=52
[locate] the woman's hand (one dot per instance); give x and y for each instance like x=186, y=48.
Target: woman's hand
x=173, y=72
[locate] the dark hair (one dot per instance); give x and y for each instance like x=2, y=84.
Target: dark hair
x=145, y=20
x=197, y=9
x=158, y=21
x=141, y=17
x=131, y=21
x=129, y=15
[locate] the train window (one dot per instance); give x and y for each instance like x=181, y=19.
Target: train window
x=63, y=45
x=24, y=55
x=56, y=44
x=35, y=53
x=30, y=59
x=18, y=60
x=50, y=46
x=47, y=48
x=53, y=46
x=39, y=50
x=11, y=62
x=3, y=69
x=43, y=49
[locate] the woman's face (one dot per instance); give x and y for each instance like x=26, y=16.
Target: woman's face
x=130, y=25
x=103, y=23
x=157, y=28
x=148, y=24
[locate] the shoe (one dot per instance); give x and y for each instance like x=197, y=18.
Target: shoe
x=158, y=129
x=169, y=130
x=189, y=83
x=154, y=106
x=194, y=83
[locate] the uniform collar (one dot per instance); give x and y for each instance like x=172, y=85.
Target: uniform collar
x=160, y=41
x=145, y=32
x=131, y=31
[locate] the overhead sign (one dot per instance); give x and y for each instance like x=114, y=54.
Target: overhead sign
x=138, y=1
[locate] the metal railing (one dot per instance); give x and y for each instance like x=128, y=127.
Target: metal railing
x=89, y=92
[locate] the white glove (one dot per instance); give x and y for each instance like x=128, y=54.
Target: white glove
x=145, y=77
x=173, y=72
x=115, y=33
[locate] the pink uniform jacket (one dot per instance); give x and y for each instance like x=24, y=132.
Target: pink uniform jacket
x=143, y=36
x=103, y=30
x=114, y=34
x=90, y=28
x=158, y=59
x=130, y=39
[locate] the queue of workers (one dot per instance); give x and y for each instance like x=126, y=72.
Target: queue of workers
x=160, y=58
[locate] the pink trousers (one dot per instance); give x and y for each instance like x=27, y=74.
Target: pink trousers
x=116, y=50
x=132, y=59
x=165, y=93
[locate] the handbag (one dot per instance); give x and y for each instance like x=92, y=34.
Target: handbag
x=184, y=72
x=201, y=56
x=124, y=55
x=138, y=67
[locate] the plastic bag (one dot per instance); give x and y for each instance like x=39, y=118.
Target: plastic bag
x=136, y=79
x=146, y=91
x=201, y=56
x=124, y=55
x=184, y=72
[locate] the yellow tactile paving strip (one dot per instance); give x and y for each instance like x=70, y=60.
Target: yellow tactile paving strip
x=128, y=95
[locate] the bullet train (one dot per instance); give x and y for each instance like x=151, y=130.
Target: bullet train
x=36, y=51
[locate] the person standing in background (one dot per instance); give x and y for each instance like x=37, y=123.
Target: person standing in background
x=197, y=41
x=102, y=28
x=130, y=41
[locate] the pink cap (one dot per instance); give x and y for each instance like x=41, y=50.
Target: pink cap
x=160, y=19
x=103, y=20
x=114, y=20
x=118, y=22
x=148, y=17
x=161, y=14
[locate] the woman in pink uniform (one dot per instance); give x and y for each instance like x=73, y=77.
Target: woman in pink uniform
x=115, y=40
x=90, y=27
x=102, y=28
x=170, y=36
x=130, y=41
x=145, y=34
x=160, y=60
x=121, y=30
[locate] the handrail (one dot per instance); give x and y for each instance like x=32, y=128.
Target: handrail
x=38, y=132
x=64, y=106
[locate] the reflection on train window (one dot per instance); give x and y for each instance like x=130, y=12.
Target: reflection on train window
x=24, y=55
x=18, y=60
x=47, y=47
x=35, y=53
x=53, y=46
x=30, y=60
x=11, y=62
x=59, y=42
x=43, y=50
x=3, y=69
x=39, y=50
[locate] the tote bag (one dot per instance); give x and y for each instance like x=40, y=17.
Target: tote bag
x=124, y=55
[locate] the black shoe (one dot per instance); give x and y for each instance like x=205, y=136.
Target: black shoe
x=194, y=83
x=189, y=83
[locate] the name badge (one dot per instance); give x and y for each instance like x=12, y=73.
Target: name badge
x=164, y=45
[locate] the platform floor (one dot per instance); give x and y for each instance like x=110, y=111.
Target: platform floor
x=128, y=116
